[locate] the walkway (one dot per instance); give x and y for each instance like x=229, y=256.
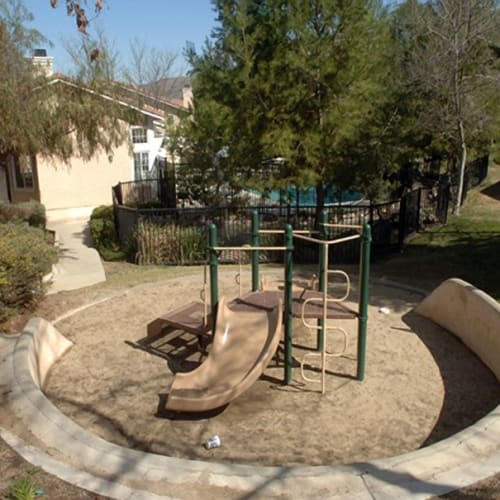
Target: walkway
x=79, y=265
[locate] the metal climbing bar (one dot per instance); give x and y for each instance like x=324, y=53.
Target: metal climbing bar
x=329, y=242
x=247, y=248
x=342, y=226
x=280, y=231
x=321, y=325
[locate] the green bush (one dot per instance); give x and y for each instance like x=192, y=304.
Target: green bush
x=169, y=244
x=25, y=257
x=103, y=233
x=31, y=212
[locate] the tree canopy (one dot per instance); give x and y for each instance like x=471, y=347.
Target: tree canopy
x=300, y=86
x=37, y=116
x=452, y=70
x=335, y=92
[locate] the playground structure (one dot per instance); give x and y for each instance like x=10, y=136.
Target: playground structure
x=234, y=362
x=455, y=462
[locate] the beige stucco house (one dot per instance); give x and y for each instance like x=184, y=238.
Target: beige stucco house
x=84, y=184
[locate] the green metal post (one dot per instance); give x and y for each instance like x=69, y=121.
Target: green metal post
x=288, y=302
x=214, y=262
x=322, y=280
x=255, y=253
x=363, y=300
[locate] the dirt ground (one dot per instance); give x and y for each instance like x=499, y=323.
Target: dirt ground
x=421, y=385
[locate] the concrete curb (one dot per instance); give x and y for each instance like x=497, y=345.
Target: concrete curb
x=74, y=476
x=460, y=460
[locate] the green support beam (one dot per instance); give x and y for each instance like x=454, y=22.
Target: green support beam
x=214, y=274
x=363, y=302
x=322, y=278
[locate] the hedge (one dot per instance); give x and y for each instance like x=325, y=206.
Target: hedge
x=25, y=257
x=103, y=233
x=32, y=212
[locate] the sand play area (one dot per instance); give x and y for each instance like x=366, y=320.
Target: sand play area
x=421, y=384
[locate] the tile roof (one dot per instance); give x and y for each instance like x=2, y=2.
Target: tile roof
x=138, y=98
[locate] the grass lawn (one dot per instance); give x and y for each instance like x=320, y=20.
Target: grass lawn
x=467, y=247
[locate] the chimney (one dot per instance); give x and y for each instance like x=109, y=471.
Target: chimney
x=42, y=62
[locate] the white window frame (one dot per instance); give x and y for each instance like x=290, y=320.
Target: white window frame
x=139, y=135
x=141, y=164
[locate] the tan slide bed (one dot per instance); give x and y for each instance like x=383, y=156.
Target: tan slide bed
x=243, y=345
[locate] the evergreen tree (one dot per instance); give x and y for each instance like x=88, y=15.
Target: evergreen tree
x=300, y=81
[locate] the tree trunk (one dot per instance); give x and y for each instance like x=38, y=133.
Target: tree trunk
x=320, y=203
x=463, y=162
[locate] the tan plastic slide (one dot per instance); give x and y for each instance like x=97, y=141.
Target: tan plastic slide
x=243, y=345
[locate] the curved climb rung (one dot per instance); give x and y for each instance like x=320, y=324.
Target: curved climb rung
x=344, y=348
x=347, y=280
x=319, y=300
x=302, y=361
x=327, y=354
x=303, y=311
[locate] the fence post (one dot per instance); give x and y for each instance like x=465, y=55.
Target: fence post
x=443, y=198
x=402, y=219
x=255, y=253
x=419, y=204
x=288, y=302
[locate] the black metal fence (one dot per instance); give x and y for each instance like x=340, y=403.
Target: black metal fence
x=179, y=235
x=143, y=192
x=172, y=236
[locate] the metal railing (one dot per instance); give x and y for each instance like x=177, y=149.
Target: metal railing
x=182, y=229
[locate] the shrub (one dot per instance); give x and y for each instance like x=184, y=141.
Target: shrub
x=31, y=212
x=25, y=257
x=103, y=233
x=169, y=244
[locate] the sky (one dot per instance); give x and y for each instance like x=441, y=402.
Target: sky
x=162, y=24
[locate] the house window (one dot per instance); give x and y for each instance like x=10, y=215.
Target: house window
x=22, y=169
x=139, y=135
x=141, y=165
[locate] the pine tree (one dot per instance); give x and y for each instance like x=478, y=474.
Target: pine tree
x=298, y=81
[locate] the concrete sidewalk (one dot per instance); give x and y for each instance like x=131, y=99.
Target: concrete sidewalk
x=79, y=264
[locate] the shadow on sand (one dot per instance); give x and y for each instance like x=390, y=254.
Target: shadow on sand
x=471, y=389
